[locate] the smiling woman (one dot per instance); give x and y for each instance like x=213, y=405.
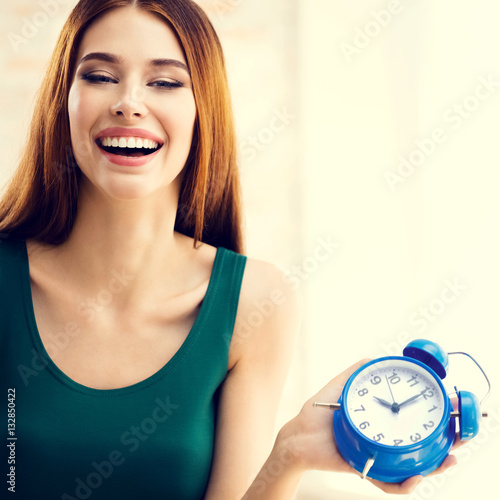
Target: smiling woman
x=125, y=296
x=193, y=69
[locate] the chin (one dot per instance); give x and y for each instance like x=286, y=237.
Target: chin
x=116, y=186
x=135, y=189
x=131, y=191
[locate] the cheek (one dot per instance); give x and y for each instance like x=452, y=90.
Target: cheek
x=76, y=111
x=179, y=119
x=81, y=114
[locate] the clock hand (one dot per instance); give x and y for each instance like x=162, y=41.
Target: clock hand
x=383, y=402
x=393, y=406
x=409, y=399
x=390, y=390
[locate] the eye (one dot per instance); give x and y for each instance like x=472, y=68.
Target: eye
x=96, y=78
x=166, y=84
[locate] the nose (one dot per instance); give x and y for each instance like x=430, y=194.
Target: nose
x=130, y=104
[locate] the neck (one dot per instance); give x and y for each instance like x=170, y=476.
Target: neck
x=134, y=238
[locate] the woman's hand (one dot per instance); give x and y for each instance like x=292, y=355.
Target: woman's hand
x=310, y=441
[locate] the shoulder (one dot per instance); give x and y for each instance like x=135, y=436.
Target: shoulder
x=11, y=250
x=263, y=281
x=9, y=245
x=269, y=312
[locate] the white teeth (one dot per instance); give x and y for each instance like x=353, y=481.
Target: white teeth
x=128, y=142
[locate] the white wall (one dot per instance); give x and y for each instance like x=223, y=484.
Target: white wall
x=360, y=110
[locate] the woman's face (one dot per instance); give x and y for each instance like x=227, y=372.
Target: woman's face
x=131, y=106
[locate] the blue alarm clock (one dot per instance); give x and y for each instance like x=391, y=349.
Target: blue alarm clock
x=394, y=418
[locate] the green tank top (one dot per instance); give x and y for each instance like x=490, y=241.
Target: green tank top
x=151, y=440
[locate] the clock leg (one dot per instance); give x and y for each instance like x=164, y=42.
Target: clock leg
x=368, y=465
x=331, y=406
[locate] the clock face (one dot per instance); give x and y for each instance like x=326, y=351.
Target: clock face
x=395, y=402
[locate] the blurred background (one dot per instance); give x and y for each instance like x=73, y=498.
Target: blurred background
x=370, y=168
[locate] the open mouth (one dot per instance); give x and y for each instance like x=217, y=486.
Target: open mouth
x=128, y=146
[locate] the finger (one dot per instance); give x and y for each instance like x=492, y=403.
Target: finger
x=458, y=442
x=448, y=462
x=403, y=488
x=411, y=483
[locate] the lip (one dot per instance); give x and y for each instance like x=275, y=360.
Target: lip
x=128, y=161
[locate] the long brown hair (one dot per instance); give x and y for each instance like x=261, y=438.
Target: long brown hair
x=41, y=199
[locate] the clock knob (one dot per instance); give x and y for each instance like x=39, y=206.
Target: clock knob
x=429, y=353
x=470, y=415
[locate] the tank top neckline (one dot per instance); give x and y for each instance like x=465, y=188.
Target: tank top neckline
x=170, y=365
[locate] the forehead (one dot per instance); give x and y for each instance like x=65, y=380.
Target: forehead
x=131, y=33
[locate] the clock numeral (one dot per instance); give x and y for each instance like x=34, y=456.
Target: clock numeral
x=432, y=409
x=397, y=442
x=394, y=378
x=378, y=437
x=413, y=381
x=360, y=409
x=364, y=425
x=427, y=393
x=416, y=437
x=429, y=425
x=376, y=380
x=362, y=392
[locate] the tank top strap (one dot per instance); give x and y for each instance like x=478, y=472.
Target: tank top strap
x=14, y=337
x=12, y=260
x=228, y=276
x=219, y=308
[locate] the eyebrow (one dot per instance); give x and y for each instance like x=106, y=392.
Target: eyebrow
x=111, y=58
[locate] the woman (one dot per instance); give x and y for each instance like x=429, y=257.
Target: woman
x=123, y=282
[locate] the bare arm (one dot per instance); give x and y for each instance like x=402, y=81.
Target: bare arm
x=260, y=353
